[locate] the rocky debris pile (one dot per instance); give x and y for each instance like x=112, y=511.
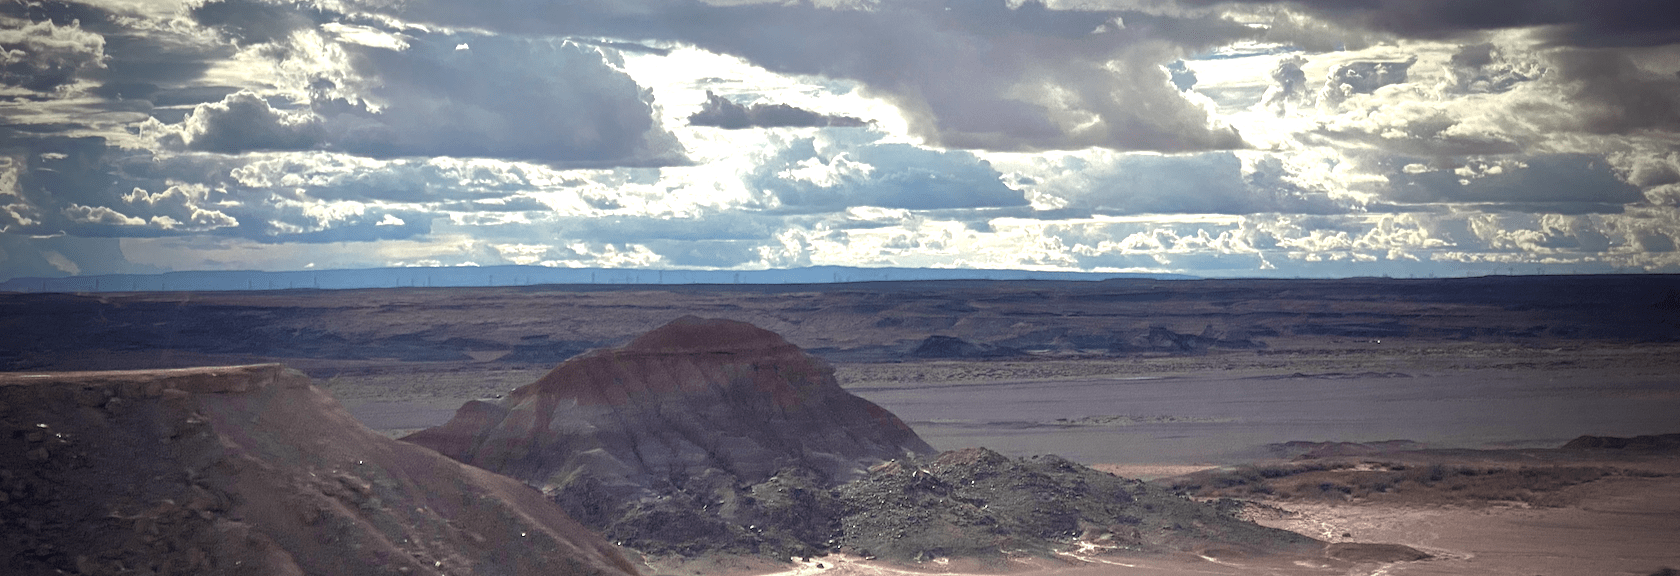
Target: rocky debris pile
x=701, y=435
x=949, y=347
x=251, y=470
x=1652, y=443
x=978, y=503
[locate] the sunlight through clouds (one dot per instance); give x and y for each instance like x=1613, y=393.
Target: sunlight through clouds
x=1200, y=137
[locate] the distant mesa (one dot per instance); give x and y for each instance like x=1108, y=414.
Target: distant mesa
x=1653, y=443
x=952, y=347
x=251, y=470
x=1162, y=339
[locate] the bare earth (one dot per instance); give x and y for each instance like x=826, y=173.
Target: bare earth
x=1616, y=525
x=1493, y=365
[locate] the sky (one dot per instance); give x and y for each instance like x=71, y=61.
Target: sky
x=1311, y=138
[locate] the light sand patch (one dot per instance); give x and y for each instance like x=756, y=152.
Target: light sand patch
x=1152, y=471
x=1617, y=526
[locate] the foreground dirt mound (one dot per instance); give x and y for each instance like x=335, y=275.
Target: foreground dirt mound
x=978, y=503
x=686, y=439
x=250, y=470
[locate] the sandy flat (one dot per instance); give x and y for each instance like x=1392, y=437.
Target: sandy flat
x=1614, y=526
x=1152, y=471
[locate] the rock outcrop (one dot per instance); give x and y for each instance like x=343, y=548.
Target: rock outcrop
x=977, y=503
x=664, y=443
x=714, y=436
x=947, y=347
x=251, y=470
x=1652, y=443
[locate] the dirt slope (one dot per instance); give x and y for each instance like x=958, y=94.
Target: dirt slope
x=659, y=442
x=251, y=470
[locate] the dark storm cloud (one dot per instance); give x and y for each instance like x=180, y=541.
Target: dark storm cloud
x=42, y=55
x=966, y=74
x=720, y=112
x=1613, y=95
x=1564, y=183
x=253, y=22
x=508, y=98
x=1484, y=68
x=539, y=100
x=1587, y=23
x=132, y=67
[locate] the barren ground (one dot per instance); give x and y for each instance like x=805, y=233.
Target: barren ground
x=1149, y=379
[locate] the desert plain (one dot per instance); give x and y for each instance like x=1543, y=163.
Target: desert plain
x=1430, y=413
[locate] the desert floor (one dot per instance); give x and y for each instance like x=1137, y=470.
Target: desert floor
x=1156, y=418
x=1154, y=379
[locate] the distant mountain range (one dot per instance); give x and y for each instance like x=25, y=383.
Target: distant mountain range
x=519, y=276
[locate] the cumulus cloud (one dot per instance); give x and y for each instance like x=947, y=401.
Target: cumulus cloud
x=410, y=93
x=834, y=173
x=1207, y=183
x=180, y=208
x=1612, y=95
x=1564, y=179
x=971, y=74
x=1363, y=78
x=244, y=121
x=100, y=215
x=511, y=98
x=721, y=112
x=1399, y=137
x=1289, y=89
x=1591, y=23
x=44, y=56
x=1486, y=68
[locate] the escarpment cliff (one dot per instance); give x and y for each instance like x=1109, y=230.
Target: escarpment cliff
x=662, y=442
x=251, y=470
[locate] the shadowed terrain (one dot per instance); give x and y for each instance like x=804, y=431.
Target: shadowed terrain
x=1143, y=377
x=250, y=470
x=333, y=332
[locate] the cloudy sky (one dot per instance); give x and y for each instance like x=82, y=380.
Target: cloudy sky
x=1206, y=137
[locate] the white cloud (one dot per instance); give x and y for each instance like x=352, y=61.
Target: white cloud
x=244, y=121
x=60, y=262
x=100, y=215
x=976, y=75
x=44, y=57
x=181, y=208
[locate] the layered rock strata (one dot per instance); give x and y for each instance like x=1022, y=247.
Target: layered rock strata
x=661, y=443
x=251, y=470
x=714, y=436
